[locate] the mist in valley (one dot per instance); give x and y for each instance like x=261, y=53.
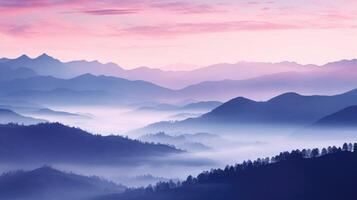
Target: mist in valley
x=224, y=144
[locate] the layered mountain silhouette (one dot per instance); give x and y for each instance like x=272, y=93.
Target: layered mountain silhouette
x=9, y=116
x=297, y=175
x=289, y=109
x=7, y=73
x=47, y=65
x=341, y=124
x=55, y=143
x=47, y=183
x=86, y=88
x=216, y=82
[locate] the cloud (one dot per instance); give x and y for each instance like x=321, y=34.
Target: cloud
x=42, y=29
x=109, y=7
x=195, y=28
x=186, y=7
x=111, y=11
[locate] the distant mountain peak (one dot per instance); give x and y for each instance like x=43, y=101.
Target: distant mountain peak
x=85, y=76
x=285, y=96
x=240, y=100
x=46, y=57
x=46, y=170
x=24, y=57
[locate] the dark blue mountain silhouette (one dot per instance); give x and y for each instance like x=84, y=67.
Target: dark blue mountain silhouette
x=305, y=174
x=9, y=116
x=286, y=109
x=47, y=183
x=344, y=118
x=341, y=124
x=56, y=143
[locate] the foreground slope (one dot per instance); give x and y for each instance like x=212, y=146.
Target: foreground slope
x=294, y=176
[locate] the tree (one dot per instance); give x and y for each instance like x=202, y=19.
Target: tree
x=345, y=147
x=315, y=153
x=324, y=152
x=355, y=147
x=350, y=146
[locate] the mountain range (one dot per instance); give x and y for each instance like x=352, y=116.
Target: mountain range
x=83, y=89
x=47, y=79
x=289, y=109
x=47, y=65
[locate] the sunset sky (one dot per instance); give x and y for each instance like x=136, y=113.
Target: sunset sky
x=180, y=33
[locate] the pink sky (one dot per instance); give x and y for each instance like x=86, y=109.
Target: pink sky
x=180, y=33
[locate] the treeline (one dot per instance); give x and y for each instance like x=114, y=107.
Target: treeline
x=231, y=170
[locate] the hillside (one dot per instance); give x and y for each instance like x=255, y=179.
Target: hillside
x=9, y=116
x=346, y=117
x=47, y=183
x=56, y=143
x=105, y=89
x=305, y=174
x=289, y=109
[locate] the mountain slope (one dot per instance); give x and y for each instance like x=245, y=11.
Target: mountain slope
x=343, y=118
x=44, y=144
x=292, y=176
x=341, y=124
x=86, y=88
x=7, y=73
x=289, y=109
x=8, y=116
x=46, y=183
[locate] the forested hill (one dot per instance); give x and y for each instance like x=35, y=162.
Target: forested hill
x=328, y=174
x=56, y=143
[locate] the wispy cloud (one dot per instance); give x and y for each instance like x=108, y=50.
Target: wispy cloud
x=110, y=11
x=195, y=28
x=186, y=7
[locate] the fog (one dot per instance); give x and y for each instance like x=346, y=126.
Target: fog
x=113, y=120
x=228, y=147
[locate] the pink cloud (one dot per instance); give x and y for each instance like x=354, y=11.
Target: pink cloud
x=43, y=29
x=110, y=11
x=187, y=8
x=108, y=7
x=196, y=28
